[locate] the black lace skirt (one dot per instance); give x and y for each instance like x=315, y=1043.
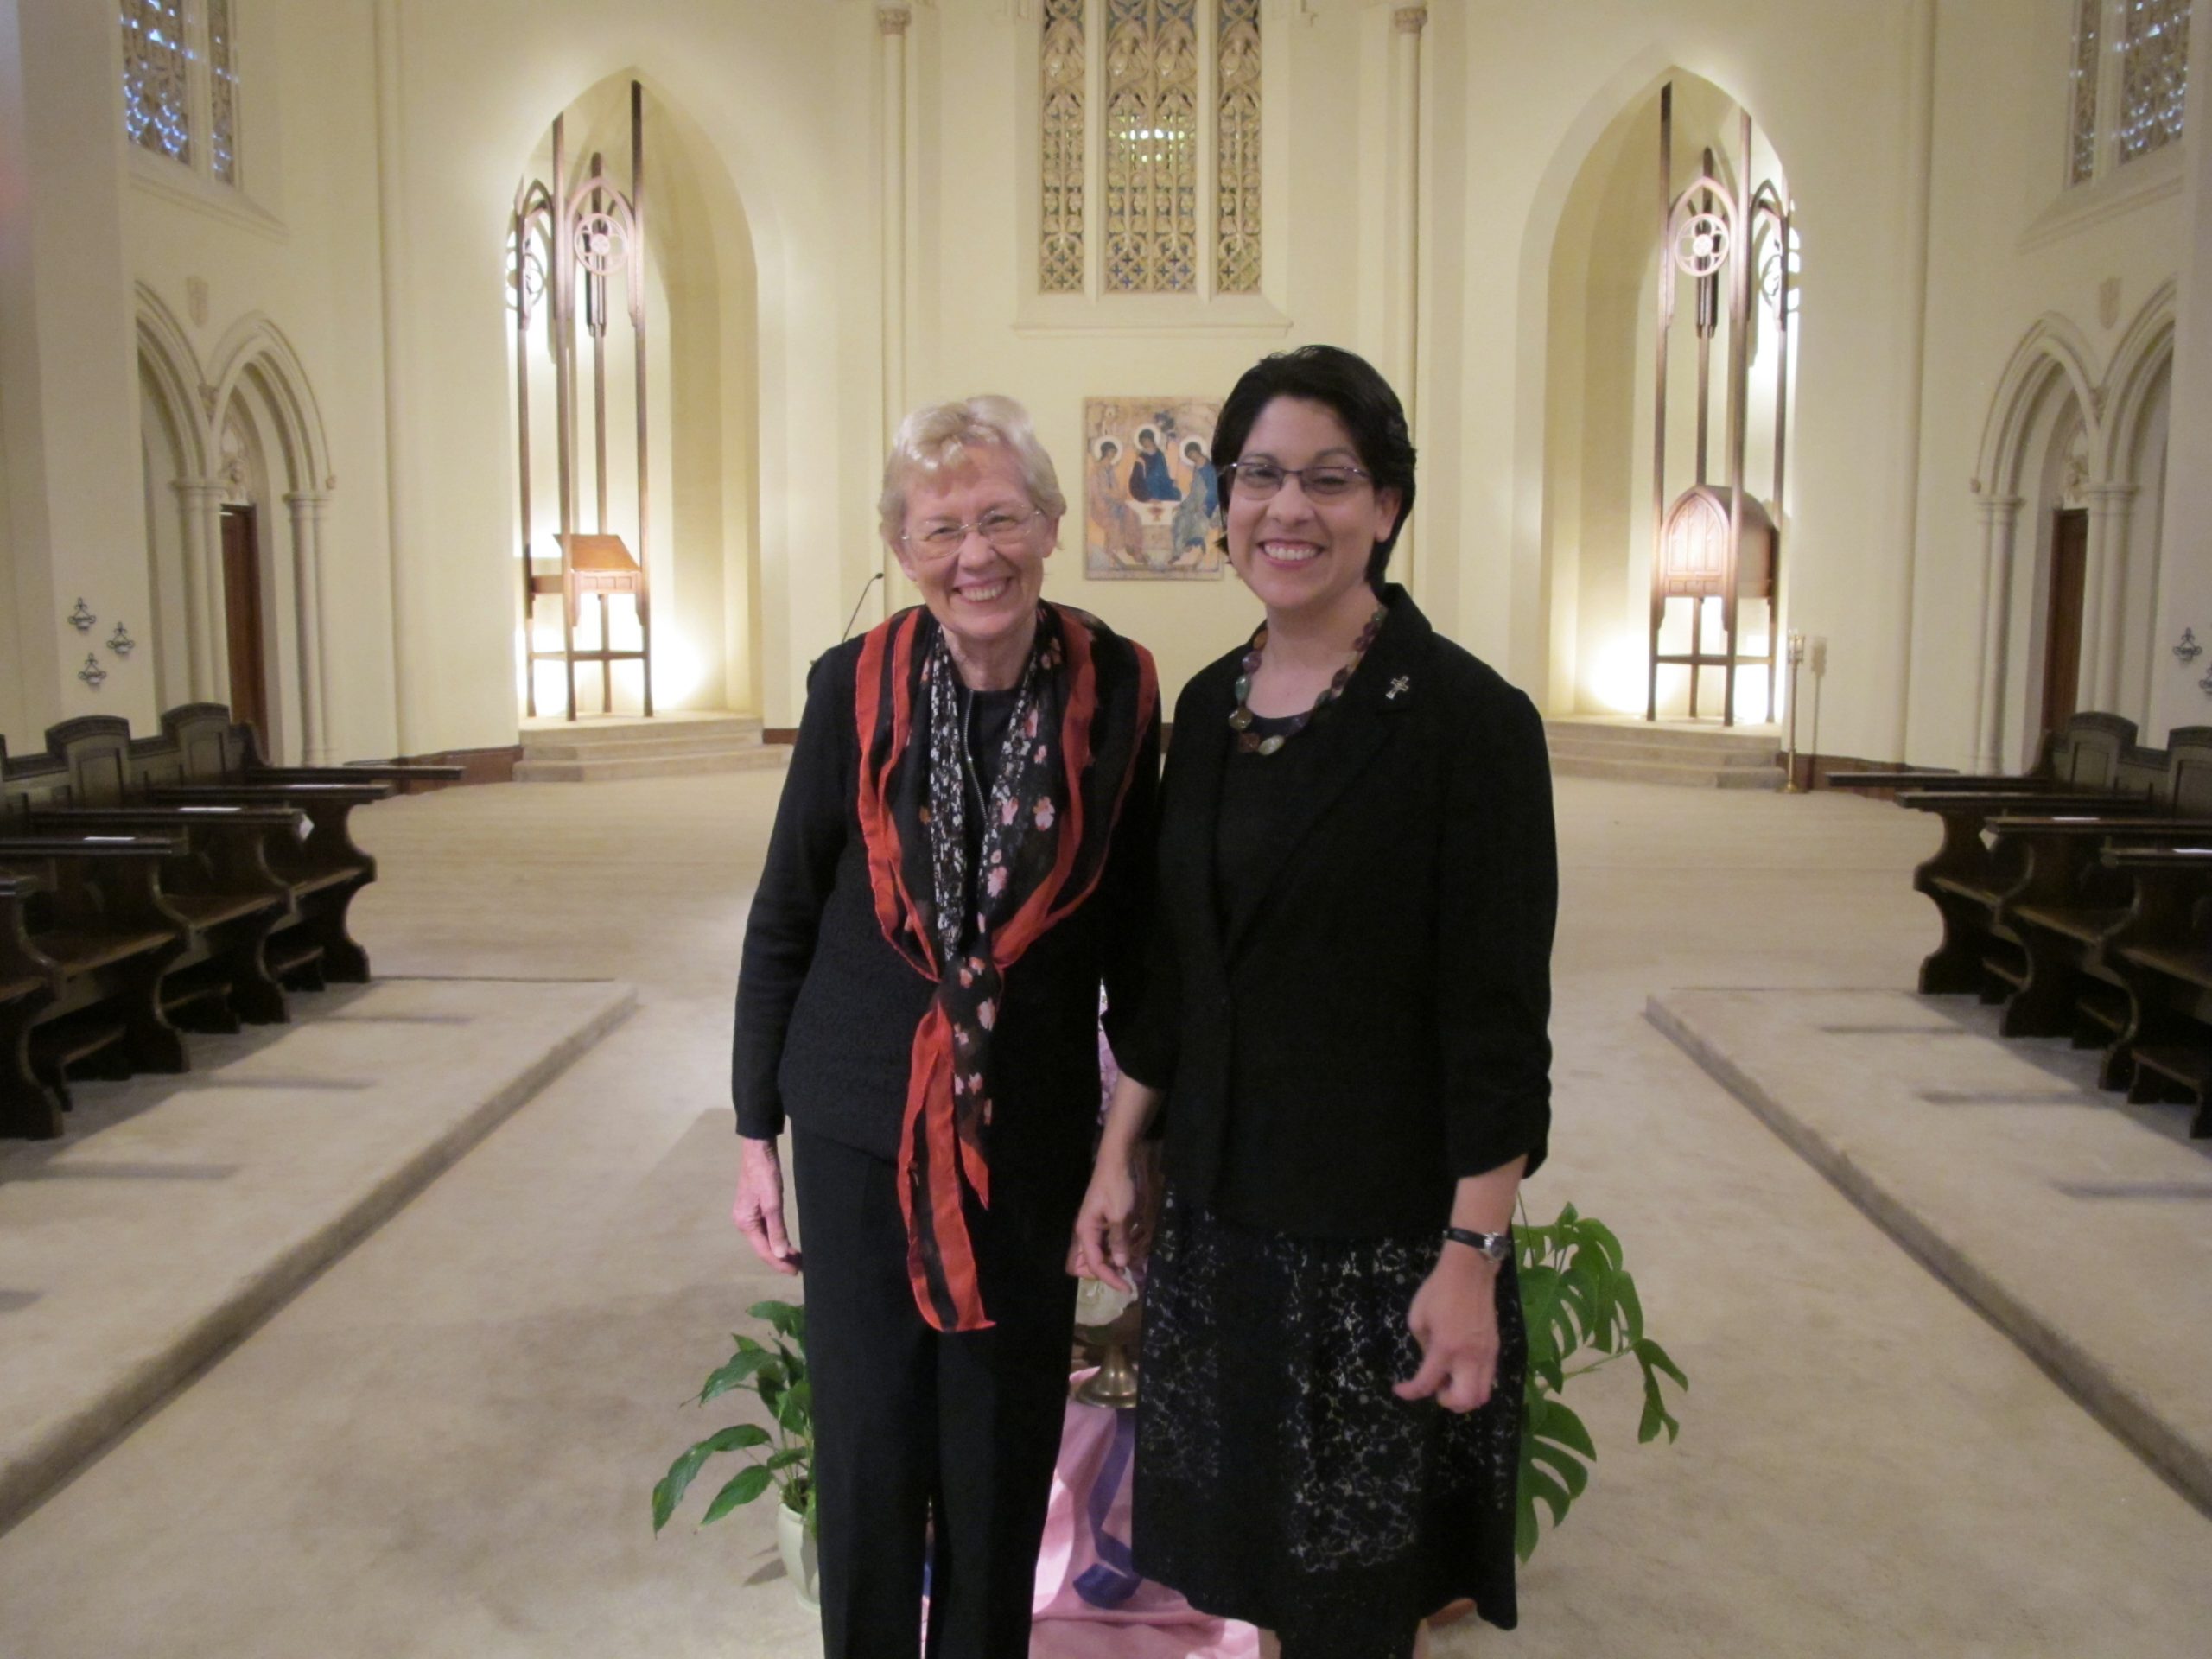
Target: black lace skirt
x=1278, y=1479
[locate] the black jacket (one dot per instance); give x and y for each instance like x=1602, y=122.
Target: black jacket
x=826, y=1009
x=1371, y=1025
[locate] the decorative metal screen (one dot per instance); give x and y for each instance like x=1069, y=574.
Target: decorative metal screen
x=2081, y=137
x=1237, y=158
x=222, y=93
x=1059, y=252
x=157, y=82
x=2153, y=75
x=1151, y=172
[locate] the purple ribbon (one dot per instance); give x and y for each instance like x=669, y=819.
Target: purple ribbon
x=1114, y=1579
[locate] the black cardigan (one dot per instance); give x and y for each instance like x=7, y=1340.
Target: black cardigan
x=826, y=1009
x=1370, y=1026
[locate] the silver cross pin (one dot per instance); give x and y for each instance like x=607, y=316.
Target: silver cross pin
x=1398, y=686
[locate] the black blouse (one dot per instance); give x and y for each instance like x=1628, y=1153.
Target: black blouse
x=1348, y=1002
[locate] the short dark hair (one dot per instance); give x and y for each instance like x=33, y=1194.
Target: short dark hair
x=1346, y=385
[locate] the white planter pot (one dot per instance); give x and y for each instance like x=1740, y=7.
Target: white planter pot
x=797, y=1550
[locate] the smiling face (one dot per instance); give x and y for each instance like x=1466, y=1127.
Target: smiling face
x=984, y=595
x=1307, y=559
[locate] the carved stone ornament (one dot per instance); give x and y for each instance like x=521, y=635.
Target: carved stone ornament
x=1410, y=20
x=893, y=20
x=1702, y=244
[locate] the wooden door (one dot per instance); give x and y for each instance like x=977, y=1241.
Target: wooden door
x=242, y=619
x=2062, y=655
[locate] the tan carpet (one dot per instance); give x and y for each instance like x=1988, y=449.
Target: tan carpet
x=444, y=1447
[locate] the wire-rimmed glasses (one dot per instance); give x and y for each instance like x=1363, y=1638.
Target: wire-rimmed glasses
x=1330, y=481
x=1007, y=532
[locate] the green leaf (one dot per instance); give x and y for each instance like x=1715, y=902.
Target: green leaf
x=1538, y=1482
x=785, y=1318
x=749, y=1485
x=787, y=1457
x=1559, y=1421
x=1632, y=1305
x=747, y=1345
x=795, y=1411
x=1654, y=1357
x=1540, y=1294
x=1571, y=1469
x=738, y=1370
x=669, y=1490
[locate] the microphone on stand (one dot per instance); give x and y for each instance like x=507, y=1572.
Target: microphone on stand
x=857, y=603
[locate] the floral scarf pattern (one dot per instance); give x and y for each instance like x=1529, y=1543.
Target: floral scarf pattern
x=1086, y=700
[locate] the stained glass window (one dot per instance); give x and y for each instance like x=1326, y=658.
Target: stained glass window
x=1162, y=98
x=1059, y=264
x=1152, y=163
x=1236, y=153
x=2153, y=75
x=223, y=92
x=157, y=77
x=2082, y=150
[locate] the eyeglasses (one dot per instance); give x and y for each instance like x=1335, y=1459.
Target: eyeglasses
x=1262, y=479
x=1007, y=532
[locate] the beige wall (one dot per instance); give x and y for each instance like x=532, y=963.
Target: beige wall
x=374, y=249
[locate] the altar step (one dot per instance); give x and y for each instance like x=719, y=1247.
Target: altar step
x=1701, y=755
x=604, y=748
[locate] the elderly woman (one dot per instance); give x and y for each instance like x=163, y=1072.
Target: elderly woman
x=1357, y=884
x=963, y=848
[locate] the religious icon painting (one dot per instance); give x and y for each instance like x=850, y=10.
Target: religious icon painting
x=1151, y=500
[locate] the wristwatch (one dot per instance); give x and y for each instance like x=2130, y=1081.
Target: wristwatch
x=1493, y=1247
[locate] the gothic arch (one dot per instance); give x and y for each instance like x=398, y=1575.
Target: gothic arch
x=170, y=364
x=2144, y=353
x=255, y=347
x=2052, y=351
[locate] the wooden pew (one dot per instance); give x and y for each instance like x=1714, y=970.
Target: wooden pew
x=2082, y=756
x=215, y=749
x=92, y=762
x=1966, y=877
x=29, y=986
x=2061, y=900
x=96, y=932
x=2161, y=954
x=223, y=881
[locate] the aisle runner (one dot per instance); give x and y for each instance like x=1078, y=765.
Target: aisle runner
x=1088, y=1604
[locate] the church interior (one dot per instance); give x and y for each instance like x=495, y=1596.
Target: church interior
x=485, y=401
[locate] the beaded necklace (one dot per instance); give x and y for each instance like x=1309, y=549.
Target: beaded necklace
x=1240, y=720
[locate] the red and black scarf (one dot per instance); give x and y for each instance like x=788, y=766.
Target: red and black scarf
x=1087, y=700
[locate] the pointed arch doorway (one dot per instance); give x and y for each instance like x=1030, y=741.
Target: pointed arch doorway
x=242, y=614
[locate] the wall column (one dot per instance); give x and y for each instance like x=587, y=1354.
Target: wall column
x=307, y=590
x=202, y=506
x=2000, y=519
x=2110, y=507
x=69, y=399
x=1407, y=24
x=891, y=23
x=2184, y=576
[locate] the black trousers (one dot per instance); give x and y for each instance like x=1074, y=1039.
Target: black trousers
x=929, y=1437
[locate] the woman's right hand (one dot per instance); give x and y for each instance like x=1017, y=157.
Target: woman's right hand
x=1107, y=1236
x=758, y=1210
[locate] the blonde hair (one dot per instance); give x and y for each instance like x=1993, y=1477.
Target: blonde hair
x=937, y=438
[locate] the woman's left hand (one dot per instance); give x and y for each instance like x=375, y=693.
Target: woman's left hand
x=1454, y=1319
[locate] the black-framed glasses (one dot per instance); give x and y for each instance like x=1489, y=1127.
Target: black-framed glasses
x=1332, y=481
x=1006, y=531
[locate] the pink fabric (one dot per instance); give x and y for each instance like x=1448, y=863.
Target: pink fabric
x=1150, y=1621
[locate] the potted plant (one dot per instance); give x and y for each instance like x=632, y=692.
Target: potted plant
x=781, y=1461
x=1579, y=1300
